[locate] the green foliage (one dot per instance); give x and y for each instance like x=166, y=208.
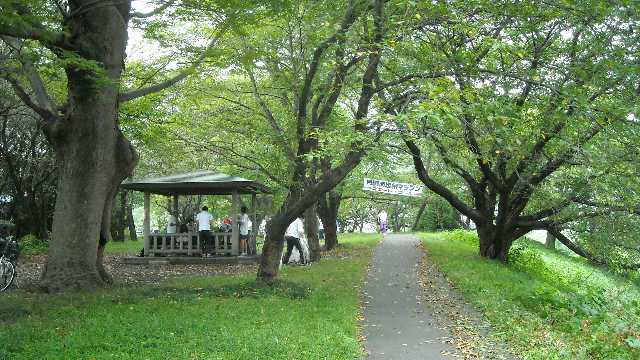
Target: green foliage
x=126, y=247
x=546, y=304
x=30, y=244
x=439, y=215
x=310, y=313
x=612, y=238
x=467, y=237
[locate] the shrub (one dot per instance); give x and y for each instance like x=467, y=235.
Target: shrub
x=31, y=244
x=439, y=216
x=466, y=236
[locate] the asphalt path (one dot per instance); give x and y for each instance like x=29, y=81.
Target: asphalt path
x=396, y=324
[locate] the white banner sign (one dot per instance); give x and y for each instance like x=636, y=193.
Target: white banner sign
x=395, y=188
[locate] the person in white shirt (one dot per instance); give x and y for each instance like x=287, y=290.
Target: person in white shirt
x=172, y=226
x=244, y=231
x=204, y=230
x=294, y=233
x=320, y=229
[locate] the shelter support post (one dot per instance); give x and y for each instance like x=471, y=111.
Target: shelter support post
x=147, y=223
x=235, y=231
x=175, y=206
x=254, y=225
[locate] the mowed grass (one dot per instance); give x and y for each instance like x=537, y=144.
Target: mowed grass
x=127, y=247
x=547, y=305
x=310, y=314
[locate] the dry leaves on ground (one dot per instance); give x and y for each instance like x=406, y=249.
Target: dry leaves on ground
x=469, y=330
x=30, y=268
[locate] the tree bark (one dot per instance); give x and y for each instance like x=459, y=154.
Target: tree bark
x=272, y=250
x=550, y=241
x=118, y=219
x=311, y=232
x=91, y=152
x=130, y=223
x=494, y=244
x=416, y=223
x=328, y=207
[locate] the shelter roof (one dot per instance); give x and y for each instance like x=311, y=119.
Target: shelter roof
x=197, y=183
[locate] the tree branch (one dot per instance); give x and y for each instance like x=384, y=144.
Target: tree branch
x=439, y=189
x=272, y=120
x=165, y=5
x=49, y=39
x=46, y=115
x=305, y=95
x=131, y=95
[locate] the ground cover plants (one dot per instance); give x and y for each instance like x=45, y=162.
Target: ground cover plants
x=548, y=305
x=314, y=316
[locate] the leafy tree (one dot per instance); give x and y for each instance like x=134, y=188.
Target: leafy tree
x=86, y=40
x=536, y=95
x=438, y=215
x=27, y=171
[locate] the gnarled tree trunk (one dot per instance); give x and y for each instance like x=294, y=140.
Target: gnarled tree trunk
x=416, y=222
x=91, y=152
x=118, y=218
x=272, y=250
x=550, y=241
x=311, y=232
x=130, y=223
x=328, y=207
x=493, y=244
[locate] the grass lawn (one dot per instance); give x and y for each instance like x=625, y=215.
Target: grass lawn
x=311, y=314
x=126, y=247
x=545, y=304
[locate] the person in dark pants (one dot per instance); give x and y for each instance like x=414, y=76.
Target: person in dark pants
x=294, y=233
x=204, y=230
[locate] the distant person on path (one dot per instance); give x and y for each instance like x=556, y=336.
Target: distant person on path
x=382, y=221
x=204, y=230
x=294, y=233
x=244, y=231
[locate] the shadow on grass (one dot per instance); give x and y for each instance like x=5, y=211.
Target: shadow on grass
x=12, y=312
x=14, y=309
x=250, y=289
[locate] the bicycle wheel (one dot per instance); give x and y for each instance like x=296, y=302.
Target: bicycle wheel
x=7, y=274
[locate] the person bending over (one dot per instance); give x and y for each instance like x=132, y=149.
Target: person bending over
x=294, y=232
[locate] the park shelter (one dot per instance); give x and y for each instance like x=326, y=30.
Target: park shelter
x=197, y=183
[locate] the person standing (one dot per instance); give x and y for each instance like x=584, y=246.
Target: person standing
x=294, y=232
x=172, y=224
x=204, y=230
x=382, y=221
x=244, y=231
x=320, y=229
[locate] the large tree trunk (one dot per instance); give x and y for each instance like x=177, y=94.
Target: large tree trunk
x=550, y=241
x=118, y=218
x=311, y=232
x=272, y=250
x=328, y=207
x=416, y=222
x=494, y=244
x=130, y=223
x=89, y=148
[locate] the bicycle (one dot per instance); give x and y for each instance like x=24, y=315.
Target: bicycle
x=8, y=258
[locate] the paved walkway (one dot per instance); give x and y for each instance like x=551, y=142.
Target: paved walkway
x=397, y=325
